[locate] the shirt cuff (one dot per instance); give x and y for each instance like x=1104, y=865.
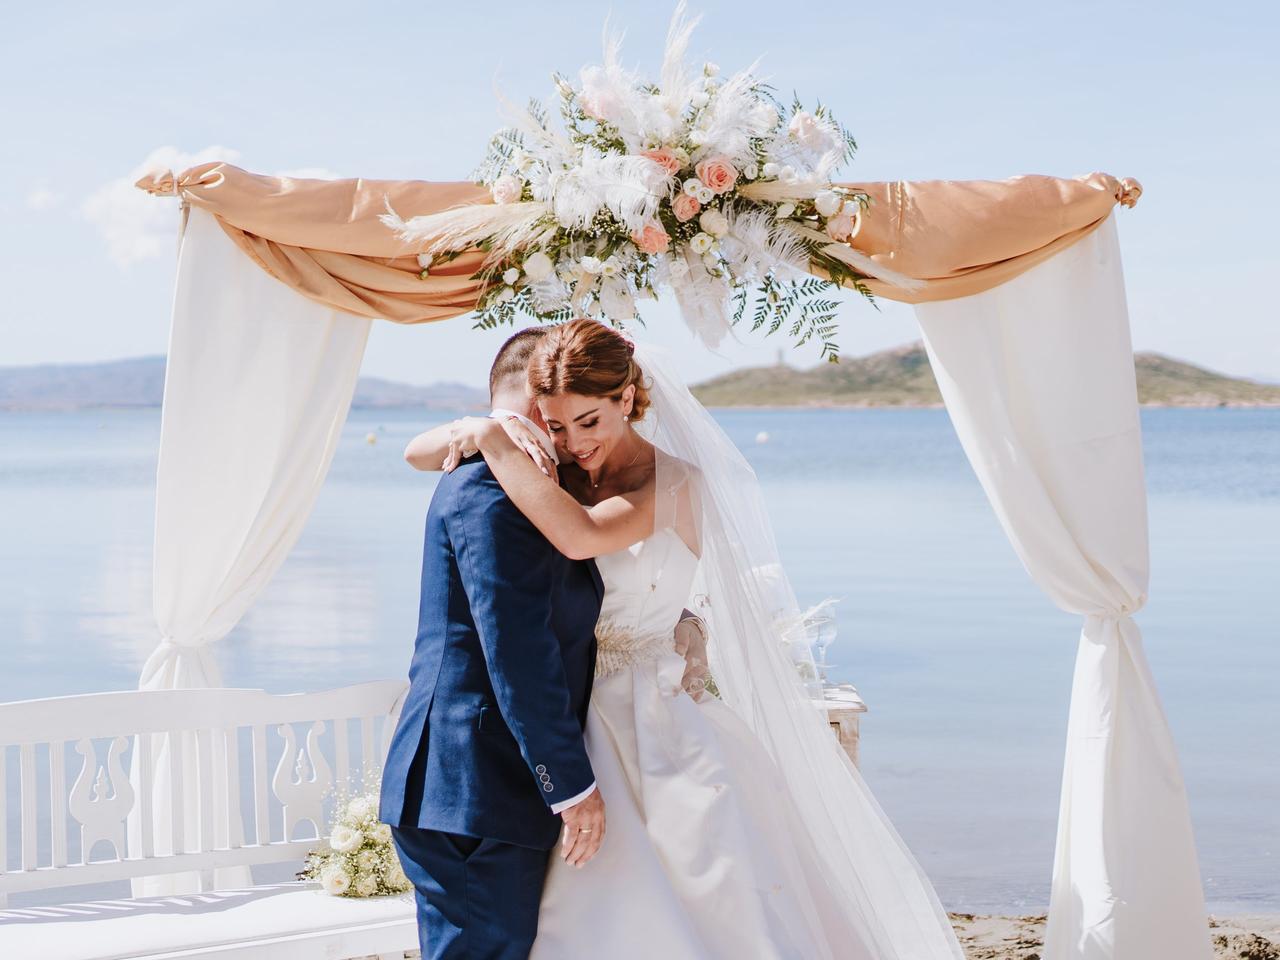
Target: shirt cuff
x=566, y=804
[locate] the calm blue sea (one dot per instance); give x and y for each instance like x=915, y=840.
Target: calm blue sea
x=965, y=665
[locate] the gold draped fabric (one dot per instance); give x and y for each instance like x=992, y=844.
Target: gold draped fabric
x=323, y=237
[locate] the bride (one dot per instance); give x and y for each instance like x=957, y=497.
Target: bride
x=736, y=826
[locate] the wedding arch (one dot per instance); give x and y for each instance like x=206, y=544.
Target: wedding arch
x=1018, y=290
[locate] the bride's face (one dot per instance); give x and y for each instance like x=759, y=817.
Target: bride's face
x=586, y=429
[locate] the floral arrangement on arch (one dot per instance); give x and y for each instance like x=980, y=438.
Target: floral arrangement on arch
x=703, y=185
x=359, y=859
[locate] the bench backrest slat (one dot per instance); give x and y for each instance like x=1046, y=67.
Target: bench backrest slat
x=58, y=807
x=261, y=820
x=27, y=773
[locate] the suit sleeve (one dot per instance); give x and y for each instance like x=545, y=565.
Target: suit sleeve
x=507, y=569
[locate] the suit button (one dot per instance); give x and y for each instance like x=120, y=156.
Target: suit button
x=547, y=787
x=544, y=777
x=540, y=768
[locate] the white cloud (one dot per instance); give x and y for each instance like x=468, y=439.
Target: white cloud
x=136, y=225
x=42, y=198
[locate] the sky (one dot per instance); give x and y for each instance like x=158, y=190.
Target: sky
x=1183, y=96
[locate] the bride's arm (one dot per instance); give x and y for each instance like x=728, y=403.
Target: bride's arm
x=576, y=531
x=427, y=450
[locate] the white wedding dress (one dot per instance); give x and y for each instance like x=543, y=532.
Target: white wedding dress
x=704, y=855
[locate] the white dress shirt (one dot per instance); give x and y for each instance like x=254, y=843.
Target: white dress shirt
x=550, y=447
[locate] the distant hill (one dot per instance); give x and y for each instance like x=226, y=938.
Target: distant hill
x=902, y=377
x=139, y=382
x=892, y=378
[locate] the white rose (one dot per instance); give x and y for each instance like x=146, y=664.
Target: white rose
x=827, y=202
x=396, y=876
x=701, y=242
x=705, y=195
x=506, y=189
x=537, y=266
x=424, y=260
x=510, y=275
x=616, y=300
x=700, y=99
x=367, y=886
x=785, y=210
x=344, y=839
x=591, y=265
x=610, y=268
x=751, y=171
x=764, y=117
x=334, y=880
x=506, y=294
x=381, y=832
x=367, y=860
x=771, y=169
x=692, y=186
x=360, y=808
x=714, y=222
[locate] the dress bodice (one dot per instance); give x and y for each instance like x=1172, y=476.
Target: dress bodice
x=646, y=586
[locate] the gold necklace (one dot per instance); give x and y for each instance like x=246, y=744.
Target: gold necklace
x=633, y=460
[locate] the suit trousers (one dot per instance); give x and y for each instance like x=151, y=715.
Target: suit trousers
x=477, y=897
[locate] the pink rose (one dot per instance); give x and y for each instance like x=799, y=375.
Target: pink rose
x=685, y=207
x=665, y=158
x=506, y=189
x=652, y=239
x=717, y=173
x=840, y=227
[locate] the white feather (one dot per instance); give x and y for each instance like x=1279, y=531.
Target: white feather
x=731, y=120
x=859, y=260
x=761, y=246
x=511, y=226
x=778, y=191
x=544, y=142
x=629, y=187
x=703, y=300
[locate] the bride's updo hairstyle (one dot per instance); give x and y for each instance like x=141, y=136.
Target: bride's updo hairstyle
x=588, y=358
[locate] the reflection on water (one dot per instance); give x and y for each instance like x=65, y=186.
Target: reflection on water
x=965, y=664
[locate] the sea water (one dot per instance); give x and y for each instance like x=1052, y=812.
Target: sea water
x=964, y=663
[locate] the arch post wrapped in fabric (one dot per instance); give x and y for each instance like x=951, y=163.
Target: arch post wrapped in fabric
x=1019, y=292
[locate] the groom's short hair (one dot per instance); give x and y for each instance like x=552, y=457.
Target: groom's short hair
x=510, y=365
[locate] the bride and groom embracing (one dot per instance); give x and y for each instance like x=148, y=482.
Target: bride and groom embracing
x=557, y=694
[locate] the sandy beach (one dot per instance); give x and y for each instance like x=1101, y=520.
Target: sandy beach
x=1021, y=938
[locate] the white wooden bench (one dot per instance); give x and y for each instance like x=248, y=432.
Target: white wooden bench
x=241, y=737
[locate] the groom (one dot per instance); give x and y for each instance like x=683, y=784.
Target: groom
x=487, y=761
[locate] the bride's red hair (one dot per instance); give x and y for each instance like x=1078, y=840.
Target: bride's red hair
x=589, y=358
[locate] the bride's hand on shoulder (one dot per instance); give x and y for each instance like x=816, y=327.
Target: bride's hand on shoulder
x=467, y=436
x=526, y=440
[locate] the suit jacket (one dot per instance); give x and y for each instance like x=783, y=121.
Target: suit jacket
x=490, y=734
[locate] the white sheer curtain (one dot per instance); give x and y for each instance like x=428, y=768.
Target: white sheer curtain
x=1038, y=377
x=258, y=385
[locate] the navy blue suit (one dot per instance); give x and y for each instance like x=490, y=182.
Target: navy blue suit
x=490, y=734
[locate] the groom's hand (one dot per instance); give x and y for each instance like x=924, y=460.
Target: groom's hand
x=583, y=829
